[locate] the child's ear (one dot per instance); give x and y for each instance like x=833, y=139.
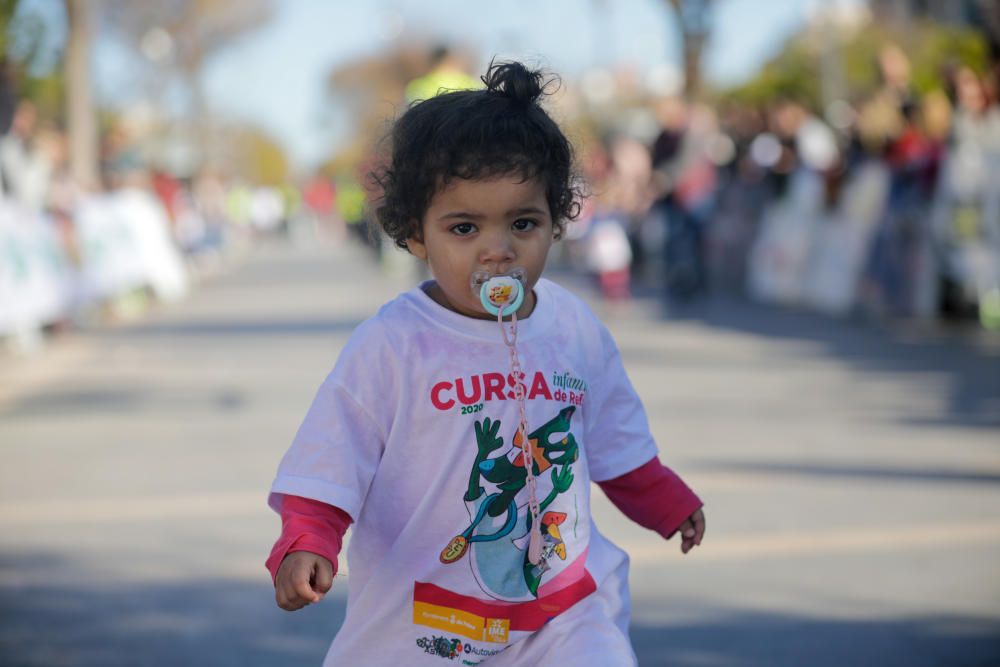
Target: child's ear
x=416, y=248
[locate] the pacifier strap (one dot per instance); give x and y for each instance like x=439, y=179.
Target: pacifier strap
x=527, y=449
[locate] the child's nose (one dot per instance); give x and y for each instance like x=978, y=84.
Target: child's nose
x=497, y=250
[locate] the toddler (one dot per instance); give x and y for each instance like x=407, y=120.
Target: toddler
x=462, y=447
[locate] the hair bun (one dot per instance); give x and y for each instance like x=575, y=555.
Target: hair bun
x=514, y=80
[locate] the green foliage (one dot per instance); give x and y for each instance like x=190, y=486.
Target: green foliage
x=931, y=48
x=48, y=93
x=8, y=11
x=944, y=47
x=22, y=38
x=795, y=72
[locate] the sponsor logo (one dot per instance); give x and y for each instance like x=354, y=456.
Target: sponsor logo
x=452, y=648
x=441, y=646
x=461, y=622
x=496, y=629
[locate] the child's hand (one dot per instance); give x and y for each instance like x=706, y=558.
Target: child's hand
x=303, y=578
x=692, y=530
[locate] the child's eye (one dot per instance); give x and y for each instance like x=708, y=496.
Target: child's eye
x=524, y=224
x=463, y=229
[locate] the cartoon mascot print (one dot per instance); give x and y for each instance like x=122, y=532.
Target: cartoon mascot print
x=497, y=534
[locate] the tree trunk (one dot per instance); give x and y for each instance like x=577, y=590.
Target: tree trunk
x=692, y=65
x=694, y=20
x=80, y=114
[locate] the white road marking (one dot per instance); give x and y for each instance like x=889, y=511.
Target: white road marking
x=192, y=506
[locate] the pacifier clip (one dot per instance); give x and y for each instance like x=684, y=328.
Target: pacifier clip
x=502, y=295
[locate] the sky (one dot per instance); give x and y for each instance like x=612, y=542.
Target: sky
x=280, y=70
x=276, y=76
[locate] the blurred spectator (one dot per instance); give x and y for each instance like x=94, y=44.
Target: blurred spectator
x=208, y=194
x=25, y=164
x=800, y=153
x=267, y=208
x=35, y=273
x=350, y=204
x=621, y=198
x=320, y=198
x=684, y=187
x=967, y=213
x=63, y=195
x=742, y=195
x=121, y=163
x=901, y=264
x=881, y=118
x=446, y=72
x=168, y=190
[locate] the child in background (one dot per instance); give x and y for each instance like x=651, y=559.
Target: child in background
x=414, y=436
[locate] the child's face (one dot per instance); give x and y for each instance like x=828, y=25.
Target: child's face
x=488, y=225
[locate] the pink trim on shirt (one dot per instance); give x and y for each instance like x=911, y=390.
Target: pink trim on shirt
x=653, y=496
x=308, y=525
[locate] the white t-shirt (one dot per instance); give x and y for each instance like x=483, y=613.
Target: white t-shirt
x=412, y=434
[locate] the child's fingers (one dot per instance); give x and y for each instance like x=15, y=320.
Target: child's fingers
x=692, y=531
x=323, y=576
x=287, y=598
x=299, y=578
x=699, y=527
x=301, y=585
x=285, y=601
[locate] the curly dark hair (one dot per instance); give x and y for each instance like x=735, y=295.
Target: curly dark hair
x=476, y=134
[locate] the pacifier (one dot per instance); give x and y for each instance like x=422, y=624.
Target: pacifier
x=500, y=292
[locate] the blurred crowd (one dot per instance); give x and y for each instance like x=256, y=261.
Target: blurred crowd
x=885, y=207
x=71, y=254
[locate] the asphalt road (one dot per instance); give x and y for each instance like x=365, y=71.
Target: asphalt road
x=851, y=476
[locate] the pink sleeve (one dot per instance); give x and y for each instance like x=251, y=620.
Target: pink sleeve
x=653, y=496
x=308, y=525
